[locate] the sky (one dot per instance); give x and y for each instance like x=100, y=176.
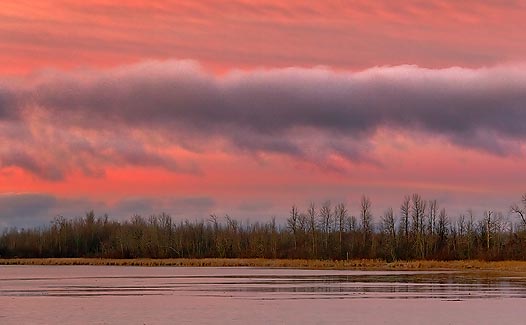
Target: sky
x=247, y=107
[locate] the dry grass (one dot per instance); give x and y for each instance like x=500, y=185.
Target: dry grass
x=510, y=266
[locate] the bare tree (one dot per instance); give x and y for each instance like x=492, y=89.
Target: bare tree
x=388, y=225
x=351, y=223
x=365, y=213
x=433, y=211
x=311, y=215
x=325, y=223
x=366, y=218
x=292, y=224
x=322, y=232
x=520, y=211
x=341, y=216
x=470, y=230
x=442, y=225
x=404, y=213
x=488, y=226
x=418, y=210
x=461, y=225
x=303, y=222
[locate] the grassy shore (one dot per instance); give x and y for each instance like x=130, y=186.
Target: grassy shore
x=513, y=266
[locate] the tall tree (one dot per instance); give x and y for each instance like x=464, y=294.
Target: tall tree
x=341, y=216
x=418, y=210
x=366, y=219
x=293, y=223
x=520, y=211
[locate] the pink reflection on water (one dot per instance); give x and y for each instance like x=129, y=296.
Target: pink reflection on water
x=168, y=295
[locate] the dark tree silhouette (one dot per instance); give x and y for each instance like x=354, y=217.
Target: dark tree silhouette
x=422, y=230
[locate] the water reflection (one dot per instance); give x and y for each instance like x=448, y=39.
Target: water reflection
x=253, y=283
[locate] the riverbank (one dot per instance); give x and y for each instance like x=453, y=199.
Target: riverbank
x=515, y=266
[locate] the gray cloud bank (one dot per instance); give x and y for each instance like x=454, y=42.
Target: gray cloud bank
x=37, y=209
x=305, y=113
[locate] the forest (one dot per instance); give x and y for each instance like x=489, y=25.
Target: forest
x=418, y=229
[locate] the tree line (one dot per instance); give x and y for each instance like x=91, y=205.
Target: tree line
x=419, y=229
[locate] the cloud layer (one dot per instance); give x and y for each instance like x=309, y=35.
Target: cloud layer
x=85, y=115
x=346, y=34
x=37, y=209
x=56, y=122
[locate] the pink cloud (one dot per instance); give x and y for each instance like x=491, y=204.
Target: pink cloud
x=224, y=34
x=80, y=118
x=244, y=139
x=144, y=115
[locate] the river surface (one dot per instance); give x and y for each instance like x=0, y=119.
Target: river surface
x=236, y=295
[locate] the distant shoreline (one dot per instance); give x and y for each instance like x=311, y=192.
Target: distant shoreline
x=514, y=266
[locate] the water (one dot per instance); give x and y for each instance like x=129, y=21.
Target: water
x=176, y=295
